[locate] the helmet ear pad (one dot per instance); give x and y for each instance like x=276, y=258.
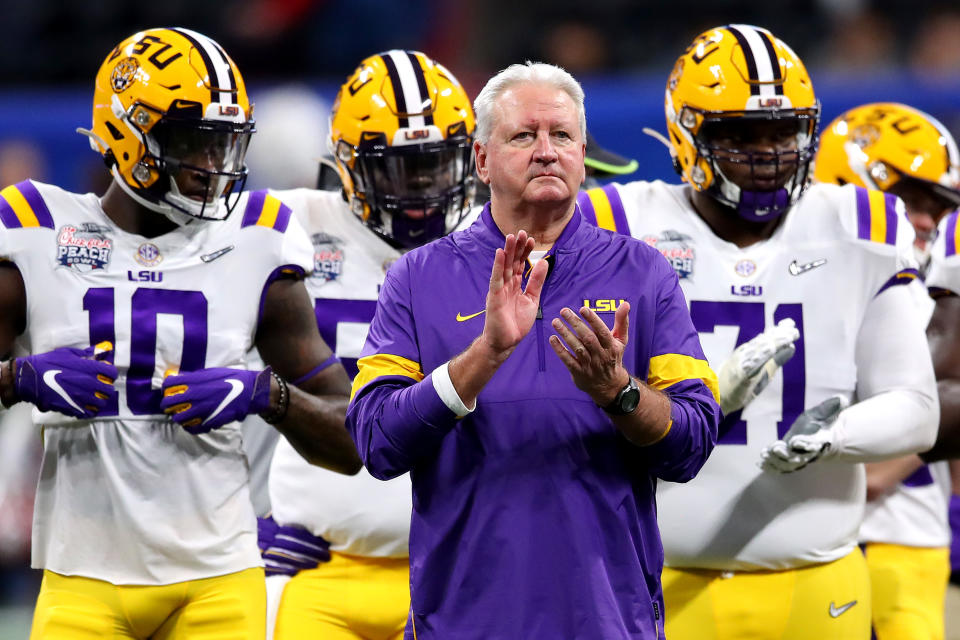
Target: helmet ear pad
x=172, y=120
x=407, y=172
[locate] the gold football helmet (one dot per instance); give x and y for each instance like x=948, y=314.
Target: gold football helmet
x=880, y=144
x=401, y=131
x=172, y=120
x=728, y=80
x=896, y=148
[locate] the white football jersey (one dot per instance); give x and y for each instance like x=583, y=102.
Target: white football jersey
x=130, y=497
x=359, y=514
x=833, y=252
x=914, y=514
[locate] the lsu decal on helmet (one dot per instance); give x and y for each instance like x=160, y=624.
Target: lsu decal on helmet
x=401, y=131
x=172, y=120
x=740, y=98
x=896, y=148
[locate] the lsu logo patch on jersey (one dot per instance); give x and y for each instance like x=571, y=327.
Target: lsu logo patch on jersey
x=327, y=258
x=677, y=248
x=84, y=248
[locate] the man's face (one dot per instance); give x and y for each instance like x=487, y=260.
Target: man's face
x=535, y=151
x=925, y=209
x=757, y=155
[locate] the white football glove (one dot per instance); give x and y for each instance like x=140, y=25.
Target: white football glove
x=753, y=364
x=809, y=438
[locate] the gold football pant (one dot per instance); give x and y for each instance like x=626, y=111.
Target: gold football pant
x=348, y=598
x=819, y=602
x=229, y=607
x=909, y=587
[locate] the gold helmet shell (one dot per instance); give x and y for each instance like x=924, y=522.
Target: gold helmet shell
x=879, y=144
x=168, y=100
x=739, y=72
x=401, y=133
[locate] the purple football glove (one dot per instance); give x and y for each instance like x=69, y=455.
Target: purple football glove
x=74, y=382
x=287, y=550
x=203, y=400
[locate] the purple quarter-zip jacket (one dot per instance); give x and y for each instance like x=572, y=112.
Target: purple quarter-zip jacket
x=533, y=517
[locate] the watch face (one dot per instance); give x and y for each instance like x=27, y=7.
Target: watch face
x=630, y=400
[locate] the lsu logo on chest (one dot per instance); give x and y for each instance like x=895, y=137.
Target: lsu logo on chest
x=603, y=305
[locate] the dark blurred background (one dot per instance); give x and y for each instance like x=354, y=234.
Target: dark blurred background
x=294, y=54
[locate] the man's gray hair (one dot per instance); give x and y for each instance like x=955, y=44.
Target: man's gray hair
x=527, y=73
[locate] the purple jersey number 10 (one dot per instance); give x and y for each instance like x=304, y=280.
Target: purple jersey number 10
x=750, y=318
x=145, y=305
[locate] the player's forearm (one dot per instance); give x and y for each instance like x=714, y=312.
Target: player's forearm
x=314, y=426
x=887, y=425
x=884, y=477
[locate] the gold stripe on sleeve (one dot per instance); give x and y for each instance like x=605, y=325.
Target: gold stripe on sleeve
x=670, y=368
x=20, y=206
x=383, y=364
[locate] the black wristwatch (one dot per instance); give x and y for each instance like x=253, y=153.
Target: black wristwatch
x=626, y=400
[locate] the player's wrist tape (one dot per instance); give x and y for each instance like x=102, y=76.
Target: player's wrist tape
x=283, y=402
x=443, y=385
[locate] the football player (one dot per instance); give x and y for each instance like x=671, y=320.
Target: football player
x=763, y=542
x=401, y=133
x=138, y=309
x=897, y=149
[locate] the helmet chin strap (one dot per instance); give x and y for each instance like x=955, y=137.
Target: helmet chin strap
x=747, y=202
x=171, y=213
x=775, y=203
